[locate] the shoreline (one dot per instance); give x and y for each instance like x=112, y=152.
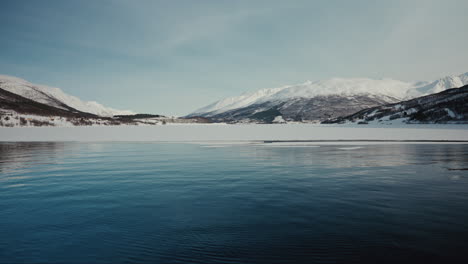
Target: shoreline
x=365, y=140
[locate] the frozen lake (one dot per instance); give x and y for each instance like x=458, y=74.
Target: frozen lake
x=219, y=132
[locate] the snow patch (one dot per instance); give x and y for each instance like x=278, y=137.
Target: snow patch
x=350, y=148
x=451, y=113
x=279, y=119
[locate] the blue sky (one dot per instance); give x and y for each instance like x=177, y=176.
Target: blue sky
x=171, y=57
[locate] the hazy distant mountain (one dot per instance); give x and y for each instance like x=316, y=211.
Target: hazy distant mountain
x=55, y=97
x=321, y=100
x=439, y=85
x=449, y=106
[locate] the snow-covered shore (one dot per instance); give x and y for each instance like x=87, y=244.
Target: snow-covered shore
x=220, y=132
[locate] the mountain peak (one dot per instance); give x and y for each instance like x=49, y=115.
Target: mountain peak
x=55, y=97
x=369, y=91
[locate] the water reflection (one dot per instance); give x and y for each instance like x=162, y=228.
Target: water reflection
x=345, y=156
x=15, y=156
x=243, y=203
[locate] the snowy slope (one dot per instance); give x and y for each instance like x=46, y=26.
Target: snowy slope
x=385, y=89
x=307, y=90
x=55, y=97
x=439, y=85
x=448, y=106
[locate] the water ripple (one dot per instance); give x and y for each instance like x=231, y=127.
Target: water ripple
x=232, y=203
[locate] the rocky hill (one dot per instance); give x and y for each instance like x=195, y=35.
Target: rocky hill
x=449, y=106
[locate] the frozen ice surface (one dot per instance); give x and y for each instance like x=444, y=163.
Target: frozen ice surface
x=225, y=133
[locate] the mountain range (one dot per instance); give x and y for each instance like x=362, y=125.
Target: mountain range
x=321, y=100
x=25, y=104
x=338, y=100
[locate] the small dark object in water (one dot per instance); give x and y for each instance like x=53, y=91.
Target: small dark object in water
x=461, y=169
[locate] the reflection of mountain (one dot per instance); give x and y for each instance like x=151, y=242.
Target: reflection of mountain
x=362, y=156
x=21, y=155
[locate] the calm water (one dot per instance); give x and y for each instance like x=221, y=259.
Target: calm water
x=196, y=203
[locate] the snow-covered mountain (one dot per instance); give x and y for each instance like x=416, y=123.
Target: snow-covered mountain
x=307, y=90
x=55, y=97
x=17, y=110
x=437, y=86
x=448, y=106
x=321, y=100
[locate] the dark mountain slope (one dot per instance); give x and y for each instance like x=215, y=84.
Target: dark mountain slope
x=449, y=106
x=318, y=108
x=22, y=105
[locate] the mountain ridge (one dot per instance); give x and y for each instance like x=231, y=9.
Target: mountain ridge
x=318, y=101
x=448, y=106
x=55, y=97
x=381, y=91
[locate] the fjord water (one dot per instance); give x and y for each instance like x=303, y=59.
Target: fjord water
x=215, y=203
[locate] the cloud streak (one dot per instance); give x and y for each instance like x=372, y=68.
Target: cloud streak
x=171, y=57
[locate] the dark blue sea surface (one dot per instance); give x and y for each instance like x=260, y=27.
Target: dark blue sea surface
x=215, y=203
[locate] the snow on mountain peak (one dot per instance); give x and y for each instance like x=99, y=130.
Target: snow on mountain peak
x=310, y=89
x=337, y=86
x=439, y=85
x=55, y=97
x=341, y=86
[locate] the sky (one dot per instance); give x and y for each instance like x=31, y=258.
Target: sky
x=172, y=57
